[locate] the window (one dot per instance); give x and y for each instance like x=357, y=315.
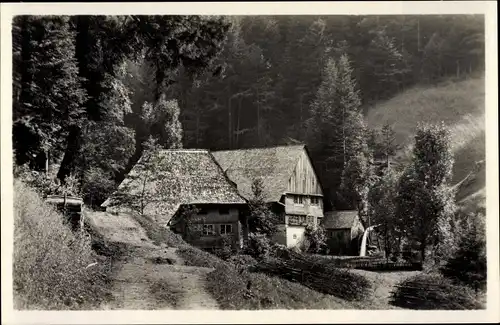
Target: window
x=293, y=219
x=320, y=220
x=208, y=230
x=223, y=211
x=310, y=219
x=314, y=200
x=297, y=199
x=294, y=236
x=296, y=220
x=226, y=229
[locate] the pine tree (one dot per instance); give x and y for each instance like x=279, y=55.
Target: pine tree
x=337, y=135
x=467, y=265
x=384, y=146
x=261, y=220
x=48, y=99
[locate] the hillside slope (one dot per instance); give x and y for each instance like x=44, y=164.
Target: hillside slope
x=461, y=105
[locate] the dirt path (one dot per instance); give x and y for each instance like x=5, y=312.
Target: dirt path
x=155, y=278
x=149, y=277
x=383, y=284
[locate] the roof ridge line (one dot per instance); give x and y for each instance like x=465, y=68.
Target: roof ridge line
x=185, y=150
x=262, y=148
x=230, y=181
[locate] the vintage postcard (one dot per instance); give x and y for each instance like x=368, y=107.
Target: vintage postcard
x=249, y=163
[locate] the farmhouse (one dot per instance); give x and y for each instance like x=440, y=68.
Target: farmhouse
x=343, y=230
x=174, y=182
x=290, y=185
x=203, y=195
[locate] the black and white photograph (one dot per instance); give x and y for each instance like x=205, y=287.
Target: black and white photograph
x=249, y=162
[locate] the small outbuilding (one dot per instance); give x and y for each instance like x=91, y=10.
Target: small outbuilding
x=344, y=231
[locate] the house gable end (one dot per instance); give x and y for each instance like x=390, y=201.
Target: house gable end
x=303, y=178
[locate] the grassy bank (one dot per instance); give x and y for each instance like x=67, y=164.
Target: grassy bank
x=53, y=268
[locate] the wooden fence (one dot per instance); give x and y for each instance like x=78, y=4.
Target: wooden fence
x=372, y=264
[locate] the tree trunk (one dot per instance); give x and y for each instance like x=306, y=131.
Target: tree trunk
x=197, y=129
x=258, y=118
x=343, y=138
x=71, y=153
x=238, y=123
x=423, y=246
x=47, y=163
x=230, y=124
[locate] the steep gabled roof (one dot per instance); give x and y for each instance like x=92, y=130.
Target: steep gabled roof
x=339, y=219
x=181, y=176
x=273, y=165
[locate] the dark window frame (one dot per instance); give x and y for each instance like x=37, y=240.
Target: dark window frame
x=225, y=226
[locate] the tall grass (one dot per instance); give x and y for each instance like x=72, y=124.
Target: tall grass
x=53, y=268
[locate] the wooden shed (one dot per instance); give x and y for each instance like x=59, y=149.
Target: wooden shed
x=344, y=231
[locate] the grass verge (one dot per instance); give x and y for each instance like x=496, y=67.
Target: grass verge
x=193, y=256
x=53, y=268
x=159, y=234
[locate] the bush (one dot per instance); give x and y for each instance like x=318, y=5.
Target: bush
x=428, y=292
x=53, y=268
x=44, y=185
x=467, y=266
x=243, y=261
x=226, y=248
x=314, y=240
x=259, y=246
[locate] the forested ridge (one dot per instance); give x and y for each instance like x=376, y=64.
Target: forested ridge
x=89, y=91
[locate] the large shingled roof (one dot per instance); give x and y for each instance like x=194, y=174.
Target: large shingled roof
x=339, y=219
x=273, y=165
x=182, y=176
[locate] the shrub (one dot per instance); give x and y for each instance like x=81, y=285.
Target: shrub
x=45, y=185
x=225, y=249
x=242, y=261
x=467, y=266
x=53, y=268
x=97, y=186
x=258, y=246
x=427, y=292
x=314, y=240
